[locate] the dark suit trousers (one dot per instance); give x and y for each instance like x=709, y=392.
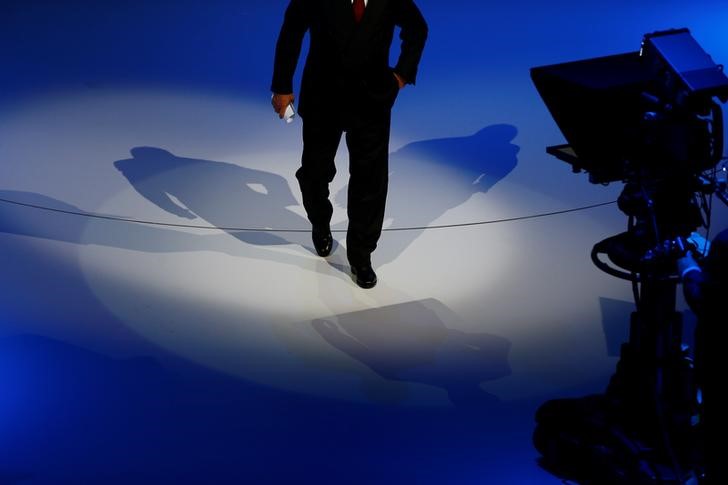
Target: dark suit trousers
x=367, y=139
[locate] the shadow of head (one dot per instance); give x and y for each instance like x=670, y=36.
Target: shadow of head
x=151, y=153
x=150, y=160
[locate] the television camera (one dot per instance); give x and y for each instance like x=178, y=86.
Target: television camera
x=652, y=120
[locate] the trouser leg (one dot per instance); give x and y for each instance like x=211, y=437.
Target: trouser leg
x=368, y=143
x=320, y=143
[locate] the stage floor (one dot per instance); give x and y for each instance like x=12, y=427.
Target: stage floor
x=163, y=316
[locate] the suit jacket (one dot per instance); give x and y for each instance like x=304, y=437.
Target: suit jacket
x=347, y=63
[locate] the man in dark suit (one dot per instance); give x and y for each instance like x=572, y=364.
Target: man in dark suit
x=349, y=87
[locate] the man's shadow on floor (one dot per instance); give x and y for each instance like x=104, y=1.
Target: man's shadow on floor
x=225, y=195
x=428, y=178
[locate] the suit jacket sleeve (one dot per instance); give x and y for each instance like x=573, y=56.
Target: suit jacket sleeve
x=413, y=34
x=288, y=47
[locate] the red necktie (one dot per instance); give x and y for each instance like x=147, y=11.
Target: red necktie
x=358, y=10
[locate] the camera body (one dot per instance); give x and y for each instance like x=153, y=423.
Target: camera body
x=648, y=119
x=642, y=115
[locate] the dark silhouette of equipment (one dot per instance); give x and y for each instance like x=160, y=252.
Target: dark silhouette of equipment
x=649, y=119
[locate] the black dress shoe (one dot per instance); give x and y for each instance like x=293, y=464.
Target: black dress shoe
x=365, y=275
x=323, y=241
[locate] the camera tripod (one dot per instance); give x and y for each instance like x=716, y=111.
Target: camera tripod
x=644, y=428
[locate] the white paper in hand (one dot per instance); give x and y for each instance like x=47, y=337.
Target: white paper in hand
x=289, y=114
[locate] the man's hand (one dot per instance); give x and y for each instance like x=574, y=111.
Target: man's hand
x=280, y=102
x=400, y=81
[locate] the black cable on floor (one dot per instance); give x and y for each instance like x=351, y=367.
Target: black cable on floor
x=245, y=229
